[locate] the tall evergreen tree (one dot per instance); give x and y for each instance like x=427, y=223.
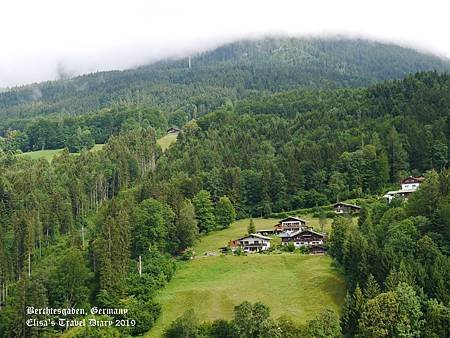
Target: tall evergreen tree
x=204, y=211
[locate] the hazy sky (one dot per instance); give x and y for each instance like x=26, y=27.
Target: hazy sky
x=38, y=36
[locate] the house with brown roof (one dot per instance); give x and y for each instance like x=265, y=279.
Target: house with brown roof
x=305, y=237
x=345, y=208
x=409, y=185
x=290, y=224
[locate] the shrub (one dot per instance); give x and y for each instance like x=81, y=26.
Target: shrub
x=330, y=214
x=288, y=248
x=187, y=255
x=304, y=249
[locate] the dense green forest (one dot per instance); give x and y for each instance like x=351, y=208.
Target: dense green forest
x=82, y=132
x=230, y=72
x=346, y=143
x=106, y=228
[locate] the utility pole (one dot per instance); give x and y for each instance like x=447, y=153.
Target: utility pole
x=140, y=265
x=29, y=264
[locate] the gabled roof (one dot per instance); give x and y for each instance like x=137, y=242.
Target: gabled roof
x=173, y=129
x=254, y=235
x=347, y=205
x=292, y=218
x=413, y=179
x=293, y=234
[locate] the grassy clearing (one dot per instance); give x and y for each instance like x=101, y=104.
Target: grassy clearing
x=297, y=286
x=97, y=147
x=218, y=239
x=45, y=154
x=165, y=141
x=294, y=285
x=51, y=153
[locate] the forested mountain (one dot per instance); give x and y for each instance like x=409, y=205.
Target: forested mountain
x=307, y=148
x=229, y=72
x=272, y=153
x=73, y=231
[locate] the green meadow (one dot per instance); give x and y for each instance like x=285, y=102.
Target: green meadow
x=51, y=153
x=292, y=285
x=165, y=141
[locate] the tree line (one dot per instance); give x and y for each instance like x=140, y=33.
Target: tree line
x=81, y=132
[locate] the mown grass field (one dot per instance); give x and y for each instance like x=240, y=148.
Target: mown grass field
x=51, y=153
x=165, y=141
x=294, y=285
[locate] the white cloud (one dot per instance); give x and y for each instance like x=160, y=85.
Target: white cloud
x=90, y=35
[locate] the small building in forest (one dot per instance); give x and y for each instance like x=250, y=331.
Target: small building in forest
x=345, y=208
x=290, y=224
x=173, y=130
x=251, y=243
x=409, y=185
x=411, y=182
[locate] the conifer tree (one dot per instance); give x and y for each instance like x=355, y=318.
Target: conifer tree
x=204, y=211
x=372, y=288
x=251, y=227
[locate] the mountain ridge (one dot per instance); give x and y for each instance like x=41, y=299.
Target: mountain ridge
x=229, y=72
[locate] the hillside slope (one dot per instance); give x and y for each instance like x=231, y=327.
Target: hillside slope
x=292, y=285
x=229, y=72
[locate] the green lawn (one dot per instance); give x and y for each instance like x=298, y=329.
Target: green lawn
x=51, y=153
x=45, y=154
x=167, y=140
x=294, y=285
x=218, y=239
x=297, y=286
